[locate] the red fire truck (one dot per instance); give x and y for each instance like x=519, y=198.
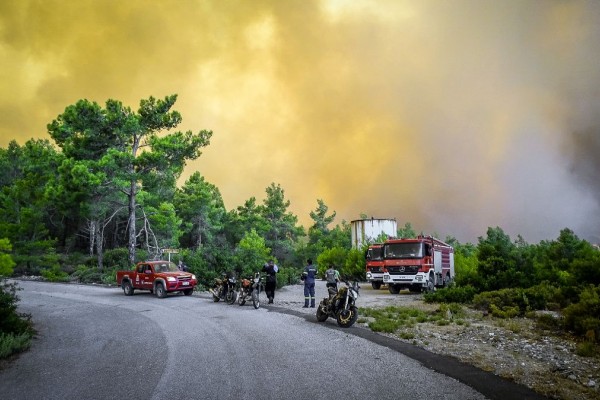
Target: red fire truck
x=374, y=258
x=421, y=263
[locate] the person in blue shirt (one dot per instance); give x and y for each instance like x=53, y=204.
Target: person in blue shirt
x=308, y=276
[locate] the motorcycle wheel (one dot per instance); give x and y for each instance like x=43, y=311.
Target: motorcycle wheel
x=231, y=297
x=241, y=298
x=321, y=314
x=347, y=318
x=255, y=299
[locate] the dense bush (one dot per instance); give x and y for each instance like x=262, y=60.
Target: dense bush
x=15, y=329
x=453, y=294
x=583, y=318
x=503, y=303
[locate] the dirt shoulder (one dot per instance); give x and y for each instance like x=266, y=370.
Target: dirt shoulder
x=514, y=349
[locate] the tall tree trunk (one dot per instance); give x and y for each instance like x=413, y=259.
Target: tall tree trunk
x=100, y=246
x=92, y=235
x=132, y=232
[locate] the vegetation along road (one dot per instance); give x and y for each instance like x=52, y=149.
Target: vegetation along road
x=95, y=343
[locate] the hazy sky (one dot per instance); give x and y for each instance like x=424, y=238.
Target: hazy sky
x=452, y=115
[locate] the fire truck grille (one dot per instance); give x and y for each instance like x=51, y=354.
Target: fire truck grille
x=376, y=269
x=404, y=270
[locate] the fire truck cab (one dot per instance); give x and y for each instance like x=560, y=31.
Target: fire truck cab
x=374, y=265
x=419, y=264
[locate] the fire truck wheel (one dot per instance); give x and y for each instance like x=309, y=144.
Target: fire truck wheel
x=376, y=285
x=447, y=280
x=394, y=289
x=430, y=287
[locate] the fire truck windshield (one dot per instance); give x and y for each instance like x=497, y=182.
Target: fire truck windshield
x=403, y=250
x=375, y=253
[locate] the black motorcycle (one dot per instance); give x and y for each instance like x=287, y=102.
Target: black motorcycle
x=341, y=305
x=224, y=289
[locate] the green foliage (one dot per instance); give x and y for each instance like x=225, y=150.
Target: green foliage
x=453, y=294
x=85, y=274
x=118, y=259
x=587, y=349
x=354, y=266
x=200, y=206
x=335, y=256
x=251, y=254
x=11, y=322
x=11, y=344
x=407, y=231
x=288, y=276
x=6, y=261
x=583, y=317
x=503, y=302
x=282, y=231
x=54, y=274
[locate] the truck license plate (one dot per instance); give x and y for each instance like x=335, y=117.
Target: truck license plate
x=185, y=283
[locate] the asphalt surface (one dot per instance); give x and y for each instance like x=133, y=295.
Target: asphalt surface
x=96, y=343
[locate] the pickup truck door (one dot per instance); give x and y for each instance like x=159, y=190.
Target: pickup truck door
x=144, y=273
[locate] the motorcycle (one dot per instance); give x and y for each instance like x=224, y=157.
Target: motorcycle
x=250, y=289
x=224, y=290
x=340, y=305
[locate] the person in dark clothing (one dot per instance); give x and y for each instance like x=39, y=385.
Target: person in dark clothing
x=309, y=275
x=271, y=269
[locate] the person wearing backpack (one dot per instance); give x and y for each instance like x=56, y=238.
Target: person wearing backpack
x=271, y=269
x=332, y=276
x=308, y=276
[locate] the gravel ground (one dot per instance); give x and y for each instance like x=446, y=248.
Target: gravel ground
x=514, y=349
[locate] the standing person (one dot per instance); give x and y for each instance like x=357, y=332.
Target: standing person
x=271, y=269
x=309, y=275
x=332, y=276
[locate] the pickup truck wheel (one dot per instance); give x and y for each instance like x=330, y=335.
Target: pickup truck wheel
x=127, y=288
x=160, y=291
x=188, y=292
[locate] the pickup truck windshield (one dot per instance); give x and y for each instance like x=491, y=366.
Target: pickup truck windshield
x=403, y=250
x=166, y=267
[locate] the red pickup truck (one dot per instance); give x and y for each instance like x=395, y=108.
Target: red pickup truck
x=160, y=277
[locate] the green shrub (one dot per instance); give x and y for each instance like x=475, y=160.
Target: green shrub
x=55, y=274
x=386, y=325
x=11, y=322
x=454, y=294
x=504, y=312
x=541, y=296
x=86, y=274
x=548, y=322
x=117, y=258
x=288, y=276
x=583, y=317
x=503, y=303
x=586, y=349
x=14, y=343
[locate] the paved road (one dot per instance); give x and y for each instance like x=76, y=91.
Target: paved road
x=96, y=343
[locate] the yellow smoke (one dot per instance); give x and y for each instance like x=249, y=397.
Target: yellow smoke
x=453, y=116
